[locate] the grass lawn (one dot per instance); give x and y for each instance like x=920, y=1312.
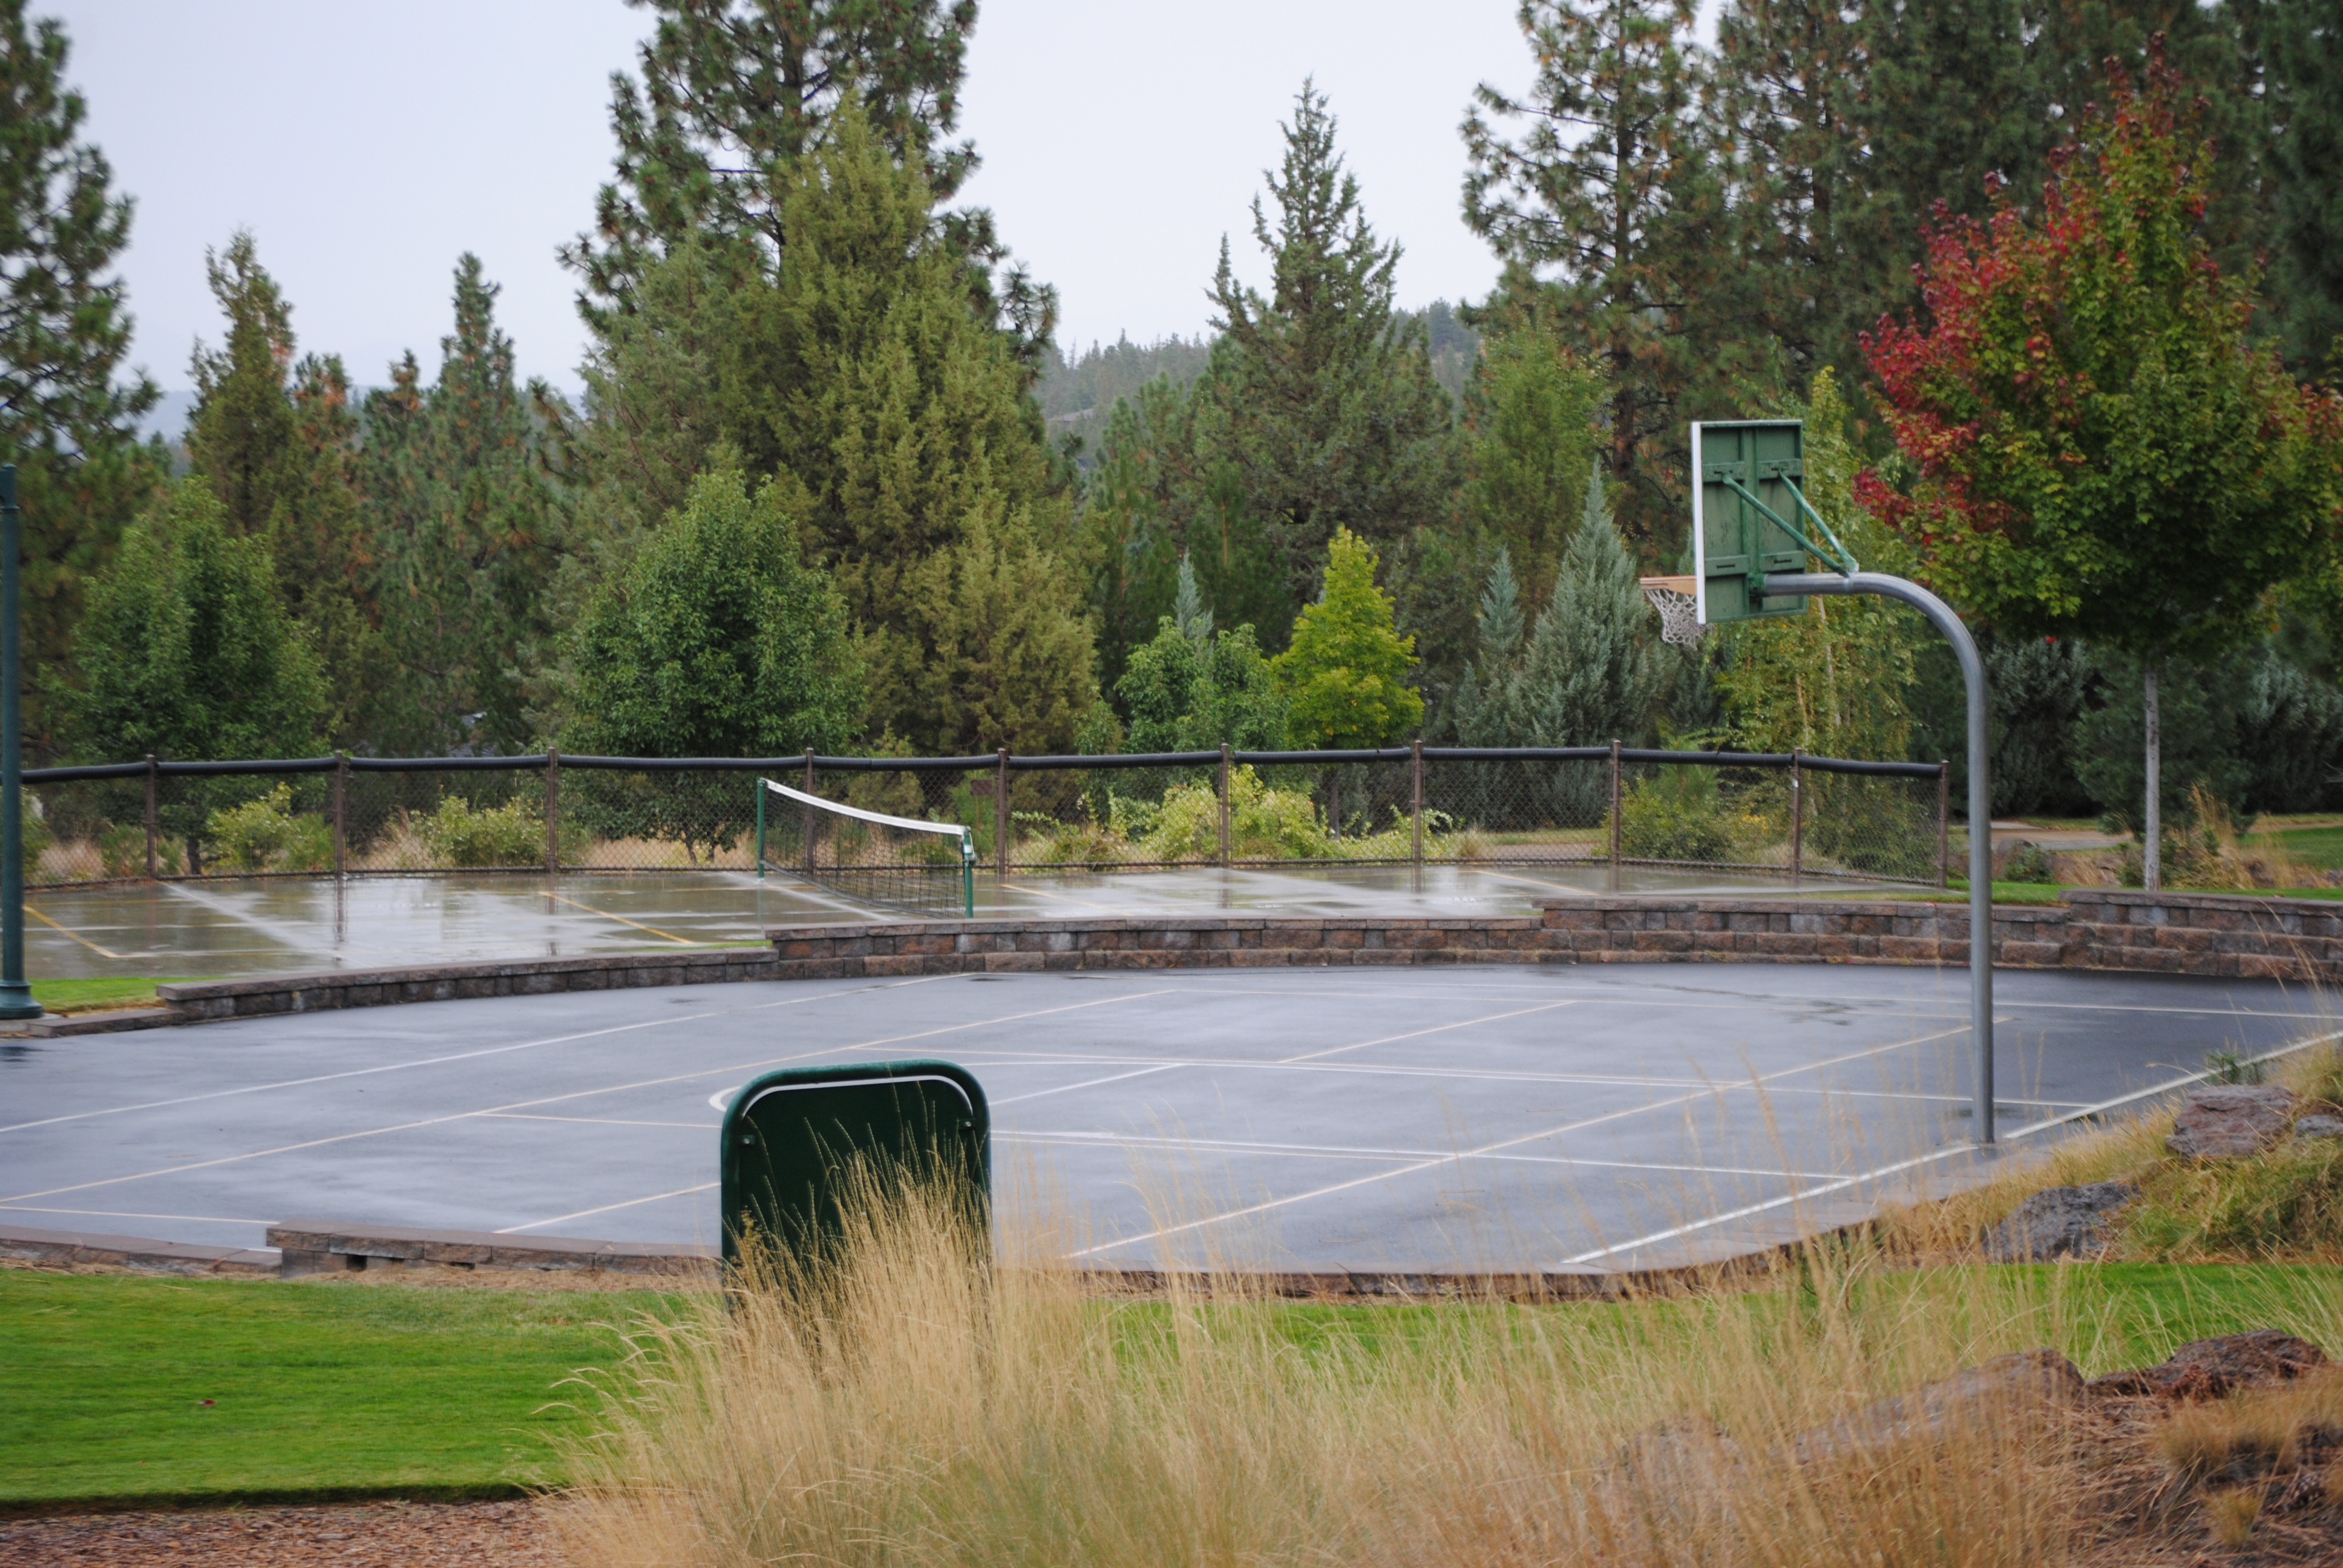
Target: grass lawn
x=320, y=1389
x=325, y=1389
x=2321, y=847
x=91, y=994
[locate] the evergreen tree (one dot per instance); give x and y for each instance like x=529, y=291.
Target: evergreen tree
x=1345, y=671
x=1529, y=411
x=186, y=651
x=459, y=513
x=1591, y=673
x=2305, y=52
x=275, y=438
x=1333, y=417
x=64, y=421
x=1612, y=191
x=897, y=418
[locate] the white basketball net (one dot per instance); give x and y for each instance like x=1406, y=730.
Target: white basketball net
x=1679, y=614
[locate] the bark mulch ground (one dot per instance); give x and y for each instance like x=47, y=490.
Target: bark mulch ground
x=511, y=1533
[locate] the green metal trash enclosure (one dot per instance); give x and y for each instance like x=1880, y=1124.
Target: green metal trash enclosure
x=791, y=1136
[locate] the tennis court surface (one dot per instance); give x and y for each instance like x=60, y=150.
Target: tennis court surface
x=1468, y=1118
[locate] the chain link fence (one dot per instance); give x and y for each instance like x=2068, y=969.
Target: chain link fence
x=1781, y=815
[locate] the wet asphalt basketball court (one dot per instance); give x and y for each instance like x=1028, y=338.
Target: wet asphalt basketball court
x=1462, y=1118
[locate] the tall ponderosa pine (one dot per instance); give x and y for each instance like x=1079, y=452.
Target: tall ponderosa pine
x=895, y=415
x=459, y=513
x=1612, y=194
x=2304, y=61
x=65, y=422
x=1334, y=419
x=275, y=438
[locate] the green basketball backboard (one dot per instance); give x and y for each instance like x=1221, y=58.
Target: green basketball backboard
x=1750, y=517
x=793, y=1140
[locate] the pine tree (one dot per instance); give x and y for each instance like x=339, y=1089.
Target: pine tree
x=1612, y=191
x=464, y=524
x=2306, y=96
x=64, y=421
x=897, y=418
x=734, y=94
x=1333, y=417
x=1530, y=412
x=275, y=438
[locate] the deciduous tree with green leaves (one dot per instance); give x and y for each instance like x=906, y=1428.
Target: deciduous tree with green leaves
x=718, y=641
x=2102, y=449
x=1193, y=688
x=1345, y=671
x=187, y=653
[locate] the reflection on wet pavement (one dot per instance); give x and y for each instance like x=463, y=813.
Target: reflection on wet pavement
x=287, y=925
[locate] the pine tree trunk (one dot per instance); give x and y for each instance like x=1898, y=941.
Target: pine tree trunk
x=2151, y=858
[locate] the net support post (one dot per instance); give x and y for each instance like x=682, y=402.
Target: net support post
x=1000, y=816
x=16, y=991
x=341, y=815
x=1615, y=815
x=761, y=793
x=1224, y=805
x=154, y=816
x=809, y=813
x=1944, y=822
x=1416, y=808
x=552, y=812
x=1940, y=615
x=1797, y=821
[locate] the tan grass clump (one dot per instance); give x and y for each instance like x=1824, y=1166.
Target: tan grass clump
x=908, y=1404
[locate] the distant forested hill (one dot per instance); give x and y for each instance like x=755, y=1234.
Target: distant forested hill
x=1077, y=395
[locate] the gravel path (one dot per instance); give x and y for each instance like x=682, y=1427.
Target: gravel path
x=351, y=1535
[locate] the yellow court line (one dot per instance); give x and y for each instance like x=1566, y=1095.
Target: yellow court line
x=102, y=953
x=622, y=919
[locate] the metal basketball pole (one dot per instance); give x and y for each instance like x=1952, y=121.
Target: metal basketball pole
x=1980, y=794
x=15, y=992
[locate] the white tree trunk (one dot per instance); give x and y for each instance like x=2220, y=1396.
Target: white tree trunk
x=2151, y=859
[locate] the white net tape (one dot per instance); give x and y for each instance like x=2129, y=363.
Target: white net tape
x=1679, y=613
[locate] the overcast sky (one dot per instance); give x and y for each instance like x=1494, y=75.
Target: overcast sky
x=367, y=145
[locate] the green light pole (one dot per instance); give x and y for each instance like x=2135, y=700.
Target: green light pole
x=16, y=991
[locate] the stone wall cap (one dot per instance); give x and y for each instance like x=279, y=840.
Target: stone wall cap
x=485, y=968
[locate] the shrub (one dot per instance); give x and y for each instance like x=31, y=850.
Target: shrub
x=122, y=851
x=1679, y=814
x=458, y=835
x=2029, y=863
x=1264, y=824
x=266, y=835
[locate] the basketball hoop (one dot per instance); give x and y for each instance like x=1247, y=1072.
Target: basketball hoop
x=1679, y=609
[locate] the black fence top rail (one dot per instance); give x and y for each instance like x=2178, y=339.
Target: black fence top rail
x=1016, y=763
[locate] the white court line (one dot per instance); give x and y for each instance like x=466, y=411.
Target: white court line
x=605, y=1209
x=464, y=1055
x=1227, y=1145
x=1504, y=1143
x=1091, y=1083
x=597, y=1120
x=126, y=1215
x=560, y=1099
x=1841, y=1184
x=1435, y=1029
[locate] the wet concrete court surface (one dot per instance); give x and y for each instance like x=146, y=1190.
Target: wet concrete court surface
x=296, y=925
x=1459, y=1117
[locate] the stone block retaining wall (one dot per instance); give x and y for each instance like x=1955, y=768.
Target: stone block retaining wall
x=2197, y=934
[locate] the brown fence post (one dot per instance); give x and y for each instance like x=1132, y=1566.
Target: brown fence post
x=1797, y=820
x=1418, y=770
x=808, y=812
x=341, y=814
x=153, y=774
x=1943, y=823
x=1615, y=815
x=1000, y=814
x=1224, y=805
x=553, y=811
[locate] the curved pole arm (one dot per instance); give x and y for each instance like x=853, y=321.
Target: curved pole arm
x=1941, y=615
